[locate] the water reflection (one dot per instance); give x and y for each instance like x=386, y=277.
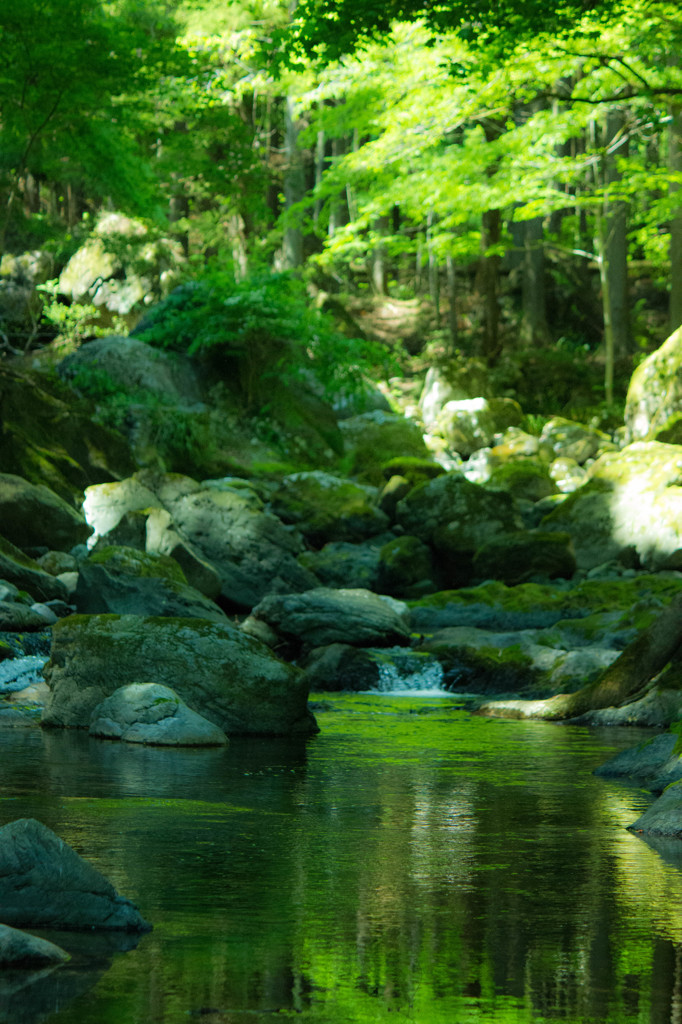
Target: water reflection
x=410, y=859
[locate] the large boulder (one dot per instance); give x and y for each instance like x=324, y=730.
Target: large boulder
x=524, y=555
x=456, y=517
x=34, y=516
x=152, y=714
x=326, y=508
x=49, y=436
x=321, y=617
x=373, y=438
x=470, y=424
x=131, y=366
x=129, y=582
x=630, y=508
x=253, y=552
x=23, y=572
x=217, y=531
x=653, y=407
x=46, y=884
x=230, y=678
x=664, y=817
x=120, y=267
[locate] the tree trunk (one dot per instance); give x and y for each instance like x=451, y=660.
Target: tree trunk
x=675, y=167
x=434, y=270
x=534, y=306
x=489, y=284
x=294, y=186
x=629, y=674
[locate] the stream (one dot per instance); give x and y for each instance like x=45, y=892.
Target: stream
x=412, y=862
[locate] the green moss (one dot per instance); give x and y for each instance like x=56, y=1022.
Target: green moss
x=137, y=563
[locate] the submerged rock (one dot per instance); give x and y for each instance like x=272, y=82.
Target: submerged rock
x=46, y=884
x=655, y=763
x=19, y=949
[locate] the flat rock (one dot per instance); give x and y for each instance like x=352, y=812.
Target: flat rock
x=324, y=616
x=152, y=714
x=46, y=884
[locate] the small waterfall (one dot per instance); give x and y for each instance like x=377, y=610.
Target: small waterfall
x=17, y=674
x=409, y=672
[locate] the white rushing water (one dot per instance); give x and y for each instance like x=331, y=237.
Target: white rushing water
x=413, y=676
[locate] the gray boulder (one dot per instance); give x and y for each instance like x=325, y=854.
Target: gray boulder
x=326, y=508
x=129, y=582
x=21, y=571
x=526, y=554
x=253, y=552
x=374, y=438
x=34, y=516
x=655, y=763
x=19, y=949
x=341, y=564
x=630, y=508
x=321, y=617
x=45, y=884
x=470, y=424
x=664, y=817
x=231, y=679
x=155, y=715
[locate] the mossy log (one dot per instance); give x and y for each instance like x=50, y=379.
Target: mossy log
x=628, y=676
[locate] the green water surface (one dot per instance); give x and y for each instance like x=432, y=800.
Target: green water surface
x=412, y=862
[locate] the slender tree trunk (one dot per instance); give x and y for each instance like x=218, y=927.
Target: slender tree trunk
x=675, y=166
x=379, y=268
x=534, y=306
x=294, y=186
x=611, y=240
x=434, y=270
x=489, y=284
x=451, y=273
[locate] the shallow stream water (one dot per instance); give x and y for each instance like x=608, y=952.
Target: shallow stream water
x=412, y=862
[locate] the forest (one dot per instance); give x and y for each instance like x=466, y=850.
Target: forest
x=470, y=182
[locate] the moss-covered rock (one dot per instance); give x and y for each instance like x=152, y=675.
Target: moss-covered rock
x=411, y=468
x=456, y=517
x=341, y=564
x=519, y=556
x=630, y=506
x=568, y=439
x=231, y=679
x=34, y=516
x=21, y=571
x=49, y=437
x=130, y=582
x=525, y=479
x=373, y=438
x=405, y=567
x=472, y=424
x=326, y=508
x=654, y=399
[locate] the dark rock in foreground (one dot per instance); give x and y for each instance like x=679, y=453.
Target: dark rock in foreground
x=45, y=884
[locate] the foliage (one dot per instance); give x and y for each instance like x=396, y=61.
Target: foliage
x=262, y=329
